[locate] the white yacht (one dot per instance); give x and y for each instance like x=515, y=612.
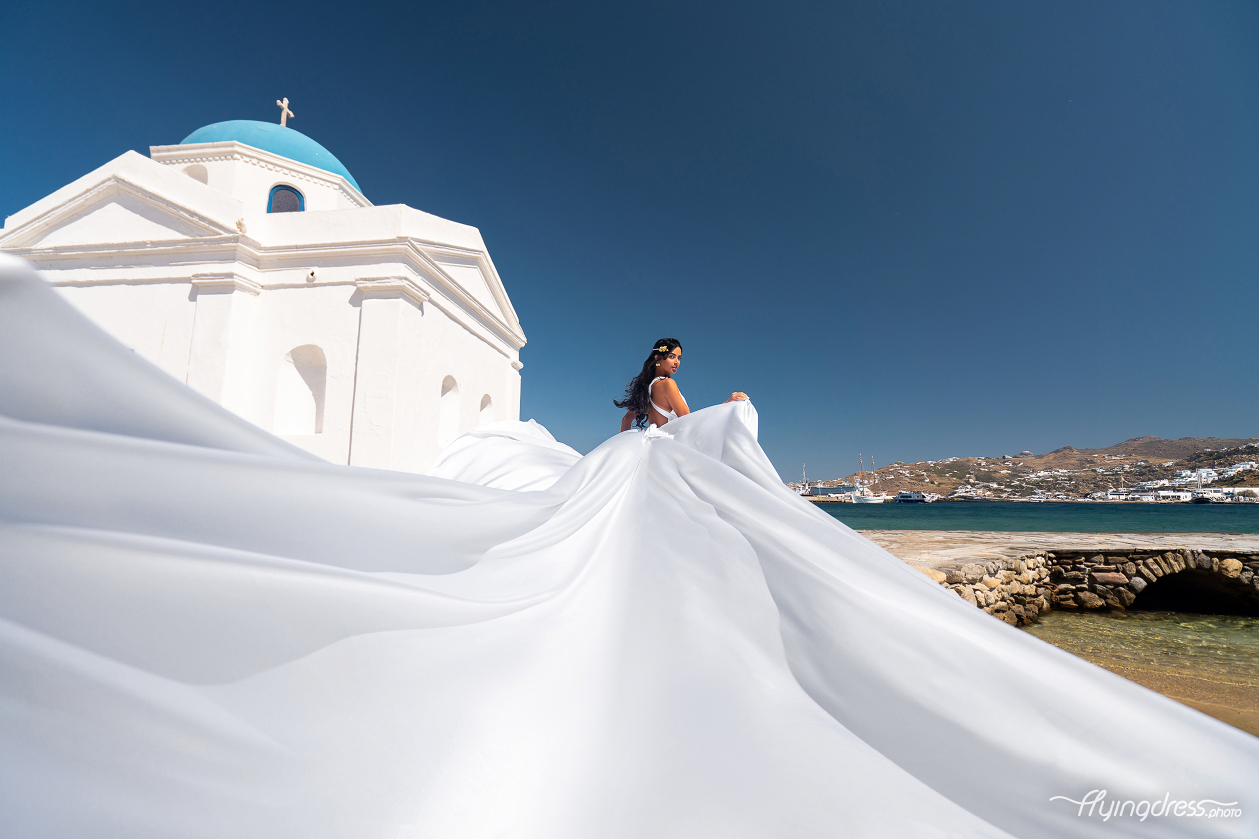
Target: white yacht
x=804, y=480
x=862, y=494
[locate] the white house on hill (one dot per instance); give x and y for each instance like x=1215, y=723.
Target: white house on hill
x=246, y=262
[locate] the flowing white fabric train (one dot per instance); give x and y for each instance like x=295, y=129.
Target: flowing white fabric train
x=206, y=632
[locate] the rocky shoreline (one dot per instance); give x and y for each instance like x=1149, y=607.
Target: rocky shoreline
x=1013, y=590
x=1016, y=577
x=1019, y=590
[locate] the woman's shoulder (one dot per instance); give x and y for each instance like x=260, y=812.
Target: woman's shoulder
x=665, y=386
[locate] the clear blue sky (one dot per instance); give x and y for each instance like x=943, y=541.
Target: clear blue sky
x=909, y=229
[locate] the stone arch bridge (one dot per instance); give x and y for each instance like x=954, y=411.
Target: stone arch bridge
x=1186, y=580
x=1018, y=576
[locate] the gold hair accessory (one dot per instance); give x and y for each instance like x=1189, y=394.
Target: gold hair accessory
x=664, y=350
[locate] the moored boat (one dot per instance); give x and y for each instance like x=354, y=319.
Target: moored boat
x=862, y=494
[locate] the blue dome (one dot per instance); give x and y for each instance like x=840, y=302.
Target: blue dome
x=276, y=139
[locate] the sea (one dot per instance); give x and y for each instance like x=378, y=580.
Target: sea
x=1210, y=662
x=1050, y=516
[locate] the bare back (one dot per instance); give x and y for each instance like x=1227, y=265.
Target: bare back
x=666, y=401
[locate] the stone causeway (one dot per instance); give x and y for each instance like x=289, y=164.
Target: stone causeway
x=1016, y=577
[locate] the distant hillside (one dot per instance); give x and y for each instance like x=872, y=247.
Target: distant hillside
x=1156, y=448
x=1068, y=471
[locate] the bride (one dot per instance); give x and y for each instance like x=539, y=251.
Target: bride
x=653, y=396
x=206, y=632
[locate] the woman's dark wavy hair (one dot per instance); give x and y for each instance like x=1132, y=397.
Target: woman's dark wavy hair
x=638, y=391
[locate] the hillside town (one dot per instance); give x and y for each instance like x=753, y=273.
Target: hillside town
x=1143, y=469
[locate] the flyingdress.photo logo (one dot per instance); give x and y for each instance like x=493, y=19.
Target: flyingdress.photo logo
x=1095, y=804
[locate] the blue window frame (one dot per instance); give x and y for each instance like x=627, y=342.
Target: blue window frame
x=285, y=199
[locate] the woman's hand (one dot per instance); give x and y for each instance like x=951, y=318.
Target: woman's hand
x=737, y=396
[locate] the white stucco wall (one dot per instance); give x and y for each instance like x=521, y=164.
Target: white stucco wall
x=154, y=319
x=431, y=352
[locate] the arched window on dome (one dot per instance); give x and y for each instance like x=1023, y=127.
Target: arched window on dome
x=285, y=199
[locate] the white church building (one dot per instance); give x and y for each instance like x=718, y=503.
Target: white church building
x=246, y=262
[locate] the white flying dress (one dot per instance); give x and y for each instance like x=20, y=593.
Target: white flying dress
x=205, y=632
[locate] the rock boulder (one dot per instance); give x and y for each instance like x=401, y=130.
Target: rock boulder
x=1108, y=578
x=1089, y=600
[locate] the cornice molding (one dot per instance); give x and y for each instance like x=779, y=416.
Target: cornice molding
x=232, y=150
x=414, y=257
x=394, y=286
x=228, y=242
x=260, y=258
x=227, y=281
x=118, y=280
x=483, y=263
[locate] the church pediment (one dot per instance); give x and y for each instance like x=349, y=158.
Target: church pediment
x=114, y=212
x=467, y=273
x=474, y=275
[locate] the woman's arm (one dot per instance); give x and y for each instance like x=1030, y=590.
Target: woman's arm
x=737, y=396
x=627, y=420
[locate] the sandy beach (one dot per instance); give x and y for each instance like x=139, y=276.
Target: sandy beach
x=946, y=548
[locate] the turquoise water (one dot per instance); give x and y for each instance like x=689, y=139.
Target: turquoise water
x=1218, y=647
x=1055, y=517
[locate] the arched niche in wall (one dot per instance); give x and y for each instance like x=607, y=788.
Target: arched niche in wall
x=299, y=391
x=285, y=199
x=448, y=412
x=198, y=173
x=486, y=414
